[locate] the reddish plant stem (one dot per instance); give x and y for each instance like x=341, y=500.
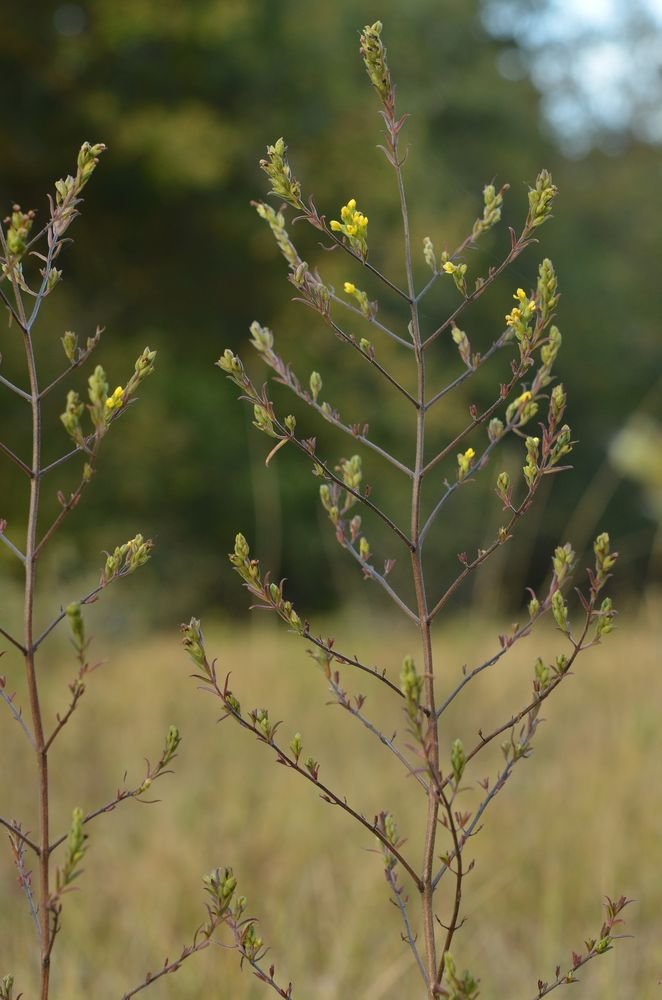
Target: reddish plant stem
x=31, y=674
x=432, y=733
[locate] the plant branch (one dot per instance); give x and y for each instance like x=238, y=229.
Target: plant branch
x=345, y=702
x=517, y=247
x=14, y=642
x=371, y=319
x=16, y=712
x=14, y=388
x=350, y=661
x=373, y=361
x=401, y=903
x=15, y=831
x=491, y=351
x=15, y=459
x=12, y=548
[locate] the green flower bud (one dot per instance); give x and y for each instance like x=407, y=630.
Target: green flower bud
x=70, y=343
x=429, y=254
x=296, y=746
x=193, y=642
x=550, y=350
x=283, y=184
x=315, y=385
x=76, y=625
x=503, y=486
x=560, y=611
x=230, y=363
x=374, y=57
x=262, y=338
x=546, y=293
x=563, y=561
x=411, y=686
x=540, y=199
x=463, y=346
x=458, y=760
x=495, y=429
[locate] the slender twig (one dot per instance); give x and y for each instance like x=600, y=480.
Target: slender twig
x=14, y=388
x=67, y=505
x=479, y=419
x=168, y=967
x=459, y=875
x=373, y=361
x=364, y=263
x=12, y=548
x=350, y=661
x=518, y=246
x=7, y=302
x=64, y=458
x=18, y=844
x=10, y=638
x=345, y=702
x=76, y=363
x=285, y=376
x=371, y=573
x=371, y=319
x=16, y=712
x=496, y=346
x=401, y=904
x=77, y=692
x=452, y=487
x=122, y=795
x=88, y=599
x=469, y=676
x=366, y=501
x=15, y=459
x=471, y=827
x=212, y=686
x=578, y=646
x=11, y=826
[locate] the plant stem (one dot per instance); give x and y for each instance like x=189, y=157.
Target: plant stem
x=33, y=690
x=432, y=735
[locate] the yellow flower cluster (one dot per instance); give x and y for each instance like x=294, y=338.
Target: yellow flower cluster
x=464, y=463
x=458, y=274
x=521, y=314
x=350, y=289
x=115, y=401
x=354, y=226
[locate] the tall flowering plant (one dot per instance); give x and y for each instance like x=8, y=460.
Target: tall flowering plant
x=425, y=881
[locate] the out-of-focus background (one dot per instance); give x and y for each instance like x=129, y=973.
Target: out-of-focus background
x=169, y=253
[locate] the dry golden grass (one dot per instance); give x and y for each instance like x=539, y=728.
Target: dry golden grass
x=580, y=819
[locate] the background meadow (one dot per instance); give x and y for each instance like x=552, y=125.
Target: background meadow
x=580, y=819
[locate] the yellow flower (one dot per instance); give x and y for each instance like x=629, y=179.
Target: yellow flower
x=349, y=288
x=354, y=226
x=524, y=398
x=115, y=401
x=464, y=463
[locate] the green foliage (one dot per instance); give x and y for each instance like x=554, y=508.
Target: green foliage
x=174, y=91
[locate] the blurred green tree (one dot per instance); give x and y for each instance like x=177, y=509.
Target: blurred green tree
x=186, y=96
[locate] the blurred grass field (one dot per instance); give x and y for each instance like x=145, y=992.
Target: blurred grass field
x=580, y=819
